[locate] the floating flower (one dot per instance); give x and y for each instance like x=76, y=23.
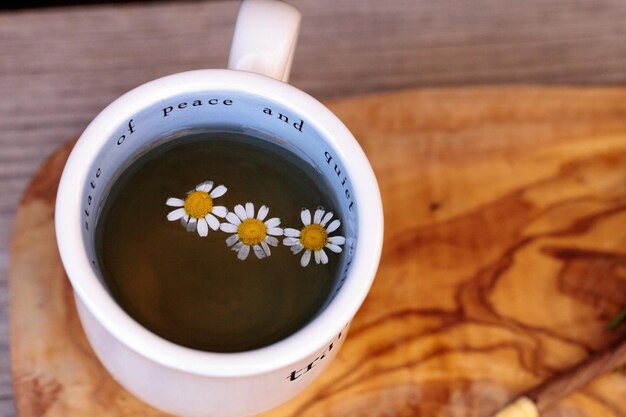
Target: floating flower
x=251, y=232
x=196, y=211
x=313, y=237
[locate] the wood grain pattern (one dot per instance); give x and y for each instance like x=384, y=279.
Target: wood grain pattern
x=504, y=259
x=611, y=358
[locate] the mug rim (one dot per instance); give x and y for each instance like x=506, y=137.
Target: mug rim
x=295, y=347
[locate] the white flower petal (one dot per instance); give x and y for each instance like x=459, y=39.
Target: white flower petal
x=296, y=249
x=288, y=231
x=232, y=239
x=243, y=252
x=273, y=222
x=317, y=256
x=218, y=191
x=228, y=228
x=232, y=218
x=212, y=221
x=304, y=261
x=250, y=210
x=174, y=202
x=205, y=186
x=290, y=241
x=258, y=251
x=334, y=248
x=191, y=224
x=326, y=218
x=203, y=227
x=305, y=215
x=241, y=212
x=323, y=256
x=184, y=220
x=266, y=248
x=271, y=240
x=337, y=240
x=262, y=213
x=176, y=214
x=334, y=225
x=317, y=217
x=219, y=211
x=275, y=231
x=238, y=246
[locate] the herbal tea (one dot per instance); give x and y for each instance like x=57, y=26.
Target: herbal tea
x=220, y=241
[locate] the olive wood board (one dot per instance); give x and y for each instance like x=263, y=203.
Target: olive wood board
x=504, y=259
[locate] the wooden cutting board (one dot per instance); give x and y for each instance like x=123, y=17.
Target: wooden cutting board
x=504, y=260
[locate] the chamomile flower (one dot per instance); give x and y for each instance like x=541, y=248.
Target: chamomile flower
x=251, y=232
x=314, y=237
x=197, y=212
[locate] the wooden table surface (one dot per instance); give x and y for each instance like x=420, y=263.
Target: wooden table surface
x=60, y=67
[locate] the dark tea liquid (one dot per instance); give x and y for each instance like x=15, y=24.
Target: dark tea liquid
x=193, y=290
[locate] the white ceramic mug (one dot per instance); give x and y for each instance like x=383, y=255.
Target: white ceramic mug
x=252, y=95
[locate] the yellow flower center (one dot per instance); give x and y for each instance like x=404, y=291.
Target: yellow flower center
x=313, y=237
x=252, y=231
x=198, y=204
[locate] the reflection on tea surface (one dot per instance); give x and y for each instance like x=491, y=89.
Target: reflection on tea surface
x=194, y=290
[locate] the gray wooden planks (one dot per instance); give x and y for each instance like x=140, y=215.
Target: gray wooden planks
x=59, y=67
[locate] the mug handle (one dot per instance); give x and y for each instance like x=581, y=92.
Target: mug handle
x=265, y=38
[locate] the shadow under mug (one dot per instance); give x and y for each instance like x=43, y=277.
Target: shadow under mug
x=252, y=96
